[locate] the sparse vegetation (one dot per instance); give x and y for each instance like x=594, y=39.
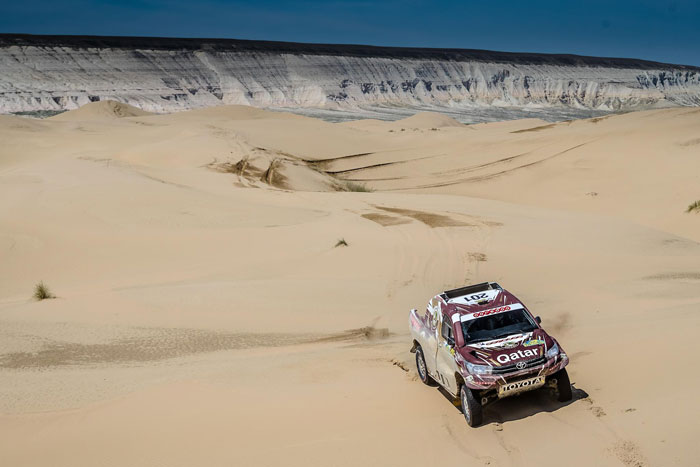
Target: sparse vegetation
x=240, y=167
x=42, y=292
x=694, y=207
x=269, y=175
x=341, y=242
x=360, y=187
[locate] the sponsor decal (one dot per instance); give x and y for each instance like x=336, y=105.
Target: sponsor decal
x=508, y=345
x=531, y=342
x=492, y=311
x=520, y=354
x=505, y=343
x=518, y=386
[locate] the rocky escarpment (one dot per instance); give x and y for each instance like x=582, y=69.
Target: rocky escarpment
x=155, y=74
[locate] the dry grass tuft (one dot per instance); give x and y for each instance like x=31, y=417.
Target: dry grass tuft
x=42, y=292
x=359, y=187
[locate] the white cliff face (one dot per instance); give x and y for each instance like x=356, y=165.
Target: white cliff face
x=38, y=73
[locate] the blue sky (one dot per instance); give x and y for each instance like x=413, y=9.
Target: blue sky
x=667, y=31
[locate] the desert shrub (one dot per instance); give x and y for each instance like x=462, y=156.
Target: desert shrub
x=694, y=207
x=341, y=242
x=360, y=187
x=42, y=292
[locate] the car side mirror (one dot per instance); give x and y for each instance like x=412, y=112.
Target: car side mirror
x=538, y=319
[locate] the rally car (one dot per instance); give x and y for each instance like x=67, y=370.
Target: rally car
x=480, y=343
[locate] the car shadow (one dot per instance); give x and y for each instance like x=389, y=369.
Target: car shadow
x=521, y=406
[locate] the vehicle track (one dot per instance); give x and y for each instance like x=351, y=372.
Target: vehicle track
x=483, y=177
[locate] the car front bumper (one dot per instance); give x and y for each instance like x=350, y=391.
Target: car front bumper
x=494, y=381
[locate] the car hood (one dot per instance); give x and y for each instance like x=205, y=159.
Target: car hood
x=509, y=350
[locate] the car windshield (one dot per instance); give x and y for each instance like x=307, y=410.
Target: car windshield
x=497, y=325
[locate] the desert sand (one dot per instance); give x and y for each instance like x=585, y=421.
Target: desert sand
x=205, y=316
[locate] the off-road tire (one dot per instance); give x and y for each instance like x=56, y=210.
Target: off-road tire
x=563, y=386
x=423, y=368
x=471, y=407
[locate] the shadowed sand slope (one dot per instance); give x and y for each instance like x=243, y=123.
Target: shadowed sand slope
x=207, y=311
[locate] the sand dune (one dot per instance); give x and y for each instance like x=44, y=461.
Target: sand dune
x=207, y=314
x=101, y=110
x=418, y=121
x=428, y=120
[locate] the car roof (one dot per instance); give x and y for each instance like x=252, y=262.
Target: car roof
x=475, y=298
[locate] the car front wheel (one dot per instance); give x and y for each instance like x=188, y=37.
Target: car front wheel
x=422, y=368
x=563, y=386
x=471, y=408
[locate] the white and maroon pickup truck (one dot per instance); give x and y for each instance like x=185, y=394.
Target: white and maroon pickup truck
x=480, y=343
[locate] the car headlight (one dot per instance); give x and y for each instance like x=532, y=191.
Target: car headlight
x=553, y=351
x=478, y=369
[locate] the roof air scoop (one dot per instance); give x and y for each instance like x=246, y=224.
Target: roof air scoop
x=470, y=289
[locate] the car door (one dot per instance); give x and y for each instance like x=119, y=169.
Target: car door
x=430, y=339
x=444, y=358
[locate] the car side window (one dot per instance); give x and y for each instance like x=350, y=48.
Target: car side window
x=446, y=330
